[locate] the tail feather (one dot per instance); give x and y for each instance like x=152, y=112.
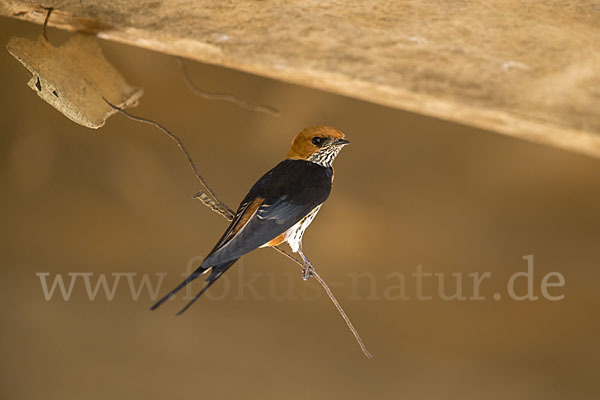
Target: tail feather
x=198, y=272
x=215, y=273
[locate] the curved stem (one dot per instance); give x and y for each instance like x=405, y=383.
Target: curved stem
x=223, y=96
x=179, y=144
x=222, y=209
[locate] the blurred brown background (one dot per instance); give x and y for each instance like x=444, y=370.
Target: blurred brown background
x=409, y=191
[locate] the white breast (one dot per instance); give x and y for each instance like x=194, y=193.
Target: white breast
x=294, y=235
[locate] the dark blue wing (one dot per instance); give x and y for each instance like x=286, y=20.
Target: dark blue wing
x=287, y=193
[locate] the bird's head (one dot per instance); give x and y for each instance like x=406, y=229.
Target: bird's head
x=319, y=144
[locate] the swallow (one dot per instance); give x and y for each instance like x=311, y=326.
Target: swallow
x=278, y=208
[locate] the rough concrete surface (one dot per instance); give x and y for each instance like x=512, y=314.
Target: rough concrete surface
x=523, y=68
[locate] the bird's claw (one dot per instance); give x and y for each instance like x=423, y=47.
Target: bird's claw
x=307, y=272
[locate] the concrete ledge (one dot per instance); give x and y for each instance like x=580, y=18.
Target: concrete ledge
x=526, y=69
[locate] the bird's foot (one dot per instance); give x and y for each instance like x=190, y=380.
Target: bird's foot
x=307, y=271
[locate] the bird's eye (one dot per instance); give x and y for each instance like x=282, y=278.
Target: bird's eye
x=317, y=141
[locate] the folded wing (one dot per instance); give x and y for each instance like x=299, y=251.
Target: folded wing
x=280, y=199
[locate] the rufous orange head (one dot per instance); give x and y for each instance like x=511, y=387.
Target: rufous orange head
x=319, y=144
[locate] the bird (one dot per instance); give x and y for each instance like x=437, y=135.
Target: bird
x=277, y=209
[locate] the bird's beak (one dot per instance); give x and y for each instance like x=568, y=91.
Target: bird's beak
x=341, y=142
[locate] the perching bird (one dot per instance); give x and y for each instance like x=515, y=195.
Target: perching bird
x=278, y=208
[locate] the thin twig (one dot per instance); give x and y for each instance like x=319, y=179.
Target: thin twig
x=223, y=96
x=179, y=144
x=222, y=209
x=50, y=9
x=333, y=300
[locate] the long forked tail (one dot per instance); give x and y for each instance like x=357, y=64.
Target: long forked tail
x=215, y=274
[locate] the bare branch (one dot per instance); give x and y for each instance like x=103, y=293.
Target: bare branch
x=50, y=9
x=333, y=300
x=180, y=145
x=223, y=96
x=221, y=208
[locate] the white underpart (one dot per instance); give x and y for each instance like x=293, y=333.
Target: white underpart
x=294, y=235
x=325, y=156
